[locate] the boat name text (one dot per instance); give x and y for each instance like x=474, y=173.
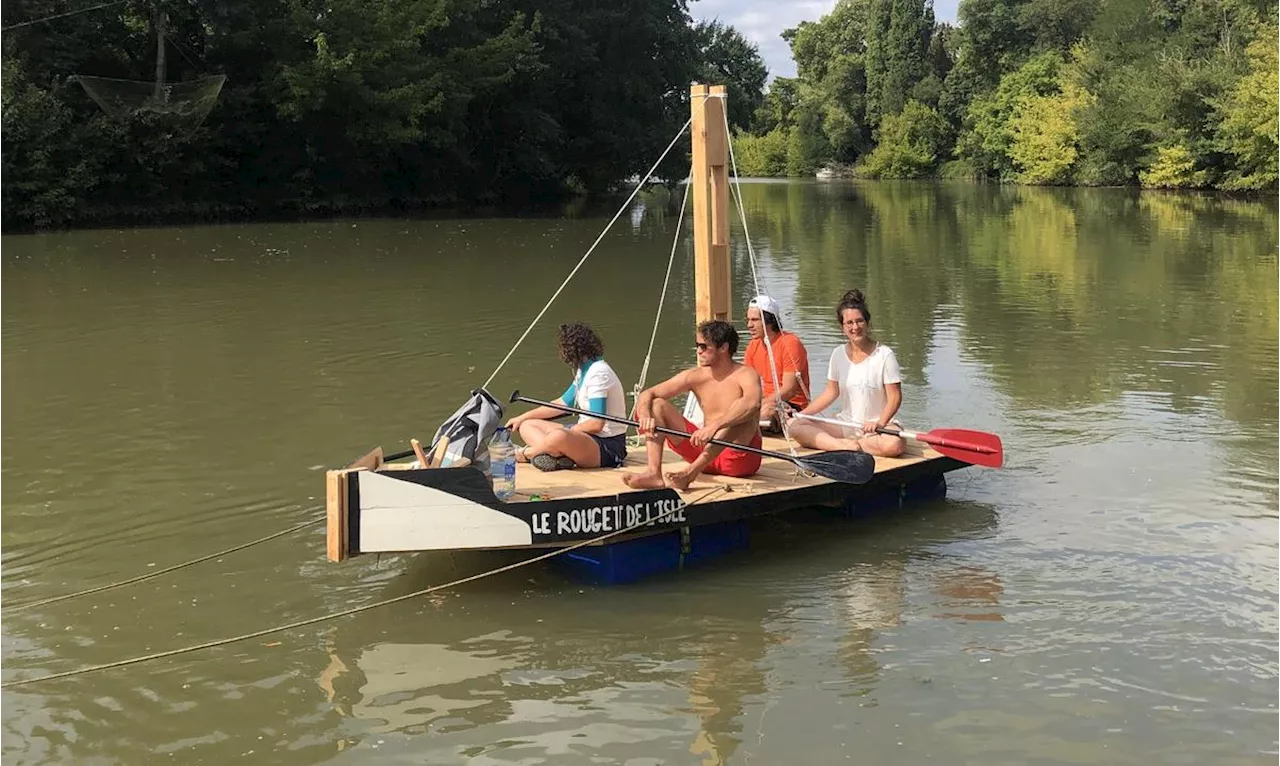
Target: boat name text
x=608, y=518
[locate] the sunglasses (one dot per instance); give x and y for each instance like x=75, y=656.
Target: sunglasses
x=702, y=346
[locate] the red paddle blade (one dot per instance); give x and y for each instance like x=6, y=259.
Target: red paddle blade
x=975, y=447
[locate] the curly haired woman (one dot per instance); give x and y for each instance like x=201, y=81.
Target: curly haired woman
x=591, y=442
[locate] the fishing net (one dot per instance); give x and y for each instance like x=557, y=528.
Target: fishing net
x=186, y=103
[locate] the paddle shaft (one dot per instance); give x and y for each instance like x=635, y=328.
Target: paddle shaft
x=941, y=441
x=516, y=397
x=412, y=453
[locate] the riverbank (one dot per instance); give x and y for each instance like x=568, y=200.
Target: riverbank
x=298, y=210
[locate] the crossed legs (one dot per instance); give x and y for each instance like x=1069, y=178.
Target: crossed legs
x=546, y=437
x=828, y=437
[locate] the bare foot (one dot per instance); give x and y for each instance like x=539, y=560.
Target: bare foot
x=679, y=481
x=642, y=480
x=522, y=454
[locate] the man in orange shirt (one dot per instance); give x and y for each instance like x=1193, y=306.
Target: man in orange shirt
x=791, y=361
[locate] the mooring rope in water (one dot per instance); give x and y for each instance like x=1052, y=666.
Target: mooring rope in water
x=167, y=570
x=590, y=250
x=364, y=608
x=662, y=297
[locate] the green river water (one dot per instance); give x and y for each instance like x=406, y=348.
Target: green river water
x=1109, y=597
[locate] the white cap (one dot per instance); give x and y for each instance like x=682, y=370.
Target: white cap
x=765, y=303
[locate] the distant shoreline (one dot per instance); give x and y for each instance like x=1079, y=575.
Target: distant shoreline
x=297, y=211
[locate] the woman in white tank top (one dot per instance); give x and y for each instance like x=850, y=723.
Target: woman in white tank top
x=865, y=377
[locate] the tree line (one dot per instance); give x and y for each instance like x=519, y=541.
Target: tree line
x=349, y=105
x=1156, y=93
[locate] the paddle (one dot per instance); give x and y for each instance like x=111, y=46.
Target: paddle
x=846, y=466
x=436, y=456
x=975, y=447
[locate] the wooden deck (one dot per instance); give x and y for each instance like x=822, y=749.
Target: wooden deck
x=775, y=475
x=402, y=508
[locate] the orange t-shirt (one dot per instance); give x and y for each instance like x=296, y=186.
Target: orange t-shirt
x=789, y=356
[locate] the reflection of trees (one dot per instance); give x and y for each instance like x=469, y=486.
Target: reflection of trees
x=1069, y=296
x=877, y=237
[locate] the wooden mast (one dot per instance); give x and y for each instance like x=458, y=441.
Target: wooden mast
x=710, y=179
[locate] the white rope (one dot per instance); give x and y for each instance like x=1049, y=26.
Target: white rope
x=662, y=297
x=590, y=250
x=366, y=607
x=755, y=278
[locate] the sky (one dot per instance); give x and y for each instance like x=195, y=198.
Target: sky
x=762, y=22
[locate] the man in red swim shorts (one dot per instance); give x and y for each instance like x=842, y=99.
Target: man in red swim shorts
x=729, y=394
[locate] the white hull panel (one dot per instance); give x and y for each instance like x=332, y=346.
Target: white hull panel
x=398, y=515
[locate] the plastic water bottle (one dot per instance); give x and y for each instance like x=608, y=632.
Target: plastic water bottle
x=502, y=464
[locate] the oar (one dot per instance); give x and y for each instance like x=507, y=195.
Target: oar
x=975, y=447
x=847, y=466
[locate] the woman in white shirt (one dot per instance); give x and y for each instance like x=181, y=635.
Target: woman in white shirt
x=590, y=442
x=864, y=376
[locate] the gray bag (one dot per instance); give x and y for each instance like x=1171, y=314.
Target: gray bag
x=469, y=430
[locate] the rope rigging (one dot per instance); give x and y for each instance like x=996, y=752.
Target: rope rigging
x=167, y=570
x=366, y=607
x=662, y=297
x=736, y=186
x=590, y=250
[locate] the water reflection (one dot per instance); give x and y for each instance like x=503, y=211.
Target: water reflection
x=681, y=665
x=388, y=679
x=970, y=593
x=1061, y=290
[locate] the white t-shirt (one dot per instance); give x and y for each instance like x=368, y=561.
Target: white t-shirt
x=598, y=381
x=862, y=393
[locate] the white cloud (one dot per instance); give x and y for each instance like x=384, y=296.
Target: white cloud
x=762, y=22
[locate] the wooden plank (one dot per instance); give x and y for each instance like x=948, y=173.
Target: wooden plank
x=719, y=279
x=700, y=179
x=336, y=515
x=775, y=475
x=372, y=460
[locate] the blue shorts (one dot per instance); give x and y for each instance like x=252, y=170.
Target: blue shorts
x=613, y=449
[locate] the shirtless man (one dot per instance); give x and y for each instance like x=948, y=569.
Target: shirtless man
x=729, y=394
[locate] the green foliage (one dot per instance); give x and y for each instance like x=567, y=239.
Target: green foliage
x=831, y=59
x=910, y=143
x=807, y=147
x=898, y=37
x=1174, y=167
x=1249, y=129
x=339, y=104
x=991, y=42
x=762, y=156
x=1051, y=91
x=1044, y=136
x=40, y=174
x=990, y=135
x=727, y=58
x=331, y=104
x=780, y=101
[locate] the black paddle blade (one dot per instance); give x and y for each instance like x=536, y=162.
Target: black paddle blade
x=846, y=466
